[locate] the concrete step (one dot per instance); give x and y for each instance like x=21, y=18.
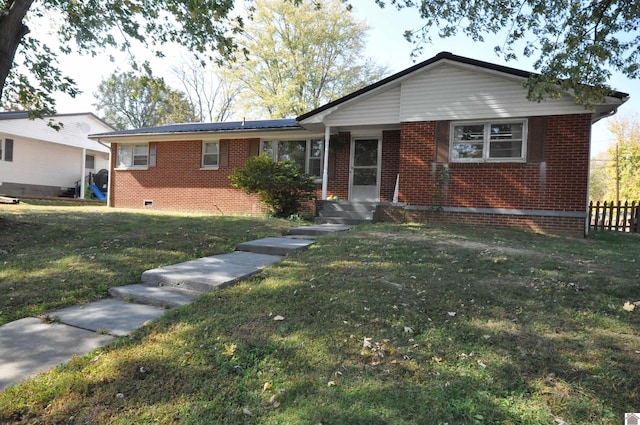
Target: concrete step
x=341, y=220
x=346, y=206
x=274, y=246
x=209, y=273
x=31, y=345
x=360, y=215
x=319, y=230
x=109, y=316
x=165, y=296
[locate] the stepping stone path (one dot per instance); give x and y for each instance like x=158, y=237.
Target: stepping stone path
x=33, y=345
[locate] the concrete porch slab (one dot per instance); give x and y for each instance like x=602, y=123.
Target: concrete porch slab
x=114, y=317
x=29, y=346
x=274, y=246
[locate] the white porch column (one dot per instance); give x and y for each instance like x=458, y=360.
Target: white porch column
x=83, y=163
x=325, y=165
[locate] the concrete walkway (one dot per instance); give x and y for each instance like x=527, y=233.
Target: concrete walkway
x=32, y=345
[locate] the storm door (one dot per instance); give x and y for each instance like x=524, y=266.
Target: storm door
x=365, y=170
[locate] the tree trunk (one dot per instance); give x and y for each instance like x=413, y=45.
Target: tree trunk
x=12, y=31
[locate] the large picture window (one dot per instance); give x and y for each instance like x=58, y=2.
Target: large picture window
x=133, y=156
x=488, y=141
x=307, y=154
x=210, y=154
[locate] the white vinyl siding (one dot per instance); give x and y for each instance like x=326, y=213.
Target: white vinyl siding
x=453, y=93
x=447, y=92
x=383, y=108
x=498, y=141
x=210, y=154
x=133, y=156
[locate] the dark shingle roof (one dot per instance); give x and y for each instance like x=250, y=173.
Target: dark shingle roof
x=207, y=127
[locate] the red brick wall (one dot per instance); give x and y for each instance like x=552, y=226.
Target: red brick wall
x=559, y=183
x=338, y=182
x=390, y=164
x=417, y=153
x=566, y=226
x=178, y=184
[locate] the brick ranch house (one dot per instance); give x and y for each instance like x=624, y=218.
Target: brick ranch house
x=449, y=139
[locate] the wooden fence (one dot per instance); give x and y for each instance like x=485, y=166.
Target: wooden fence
x=614, y=216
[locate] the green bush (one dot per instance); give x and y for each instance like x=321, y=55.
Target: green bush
x=281, y=186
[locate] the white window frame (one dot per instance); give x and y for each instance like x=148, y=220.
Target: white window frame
x=132, y=166
x=204, y=153
x=487, y=140
x=307, y=153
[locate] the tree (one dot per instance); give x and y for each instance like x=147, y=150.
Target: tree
x=133, y=101
x=205, y=27
x=300, y=57
x=598, y=178
x=208, y=89
x=575, y=43
x=624, y=158
x=282, y=186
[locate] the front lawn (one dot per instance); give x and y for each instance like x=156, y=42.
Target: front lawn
x=53, y=256
x=385, y=324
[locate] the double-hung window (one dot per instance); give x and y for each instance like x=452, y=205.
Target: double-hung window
x=307, y=154
x=133, y=156
x=6, y=150
x=210, y=154
x=499, y=141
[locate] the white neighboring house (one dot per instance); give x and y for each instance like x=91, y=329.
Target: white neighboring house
x=37, y=160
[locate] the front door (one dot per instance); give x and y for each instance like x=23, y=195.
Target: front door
x=365, y=170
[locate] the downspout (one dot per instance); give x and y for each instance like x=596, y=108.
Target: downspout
x=83, y=163
x=325, y=167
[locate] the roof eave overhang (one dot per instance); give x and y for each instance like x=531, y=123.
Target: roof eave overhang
x=201, y=135
x=609, y=108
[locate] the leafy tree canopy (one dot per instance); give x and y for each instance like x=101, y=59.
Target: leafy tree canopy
x=576, y=43
x=302, y=54
x=205, y=27
x=128, y=100
x=624, y=159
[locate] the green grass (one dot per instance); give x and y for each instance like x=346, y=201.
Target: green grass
x=53, y=256
x=386, y=324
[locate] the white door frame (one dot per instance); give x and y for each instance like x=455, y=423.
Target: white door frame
x=377, y=137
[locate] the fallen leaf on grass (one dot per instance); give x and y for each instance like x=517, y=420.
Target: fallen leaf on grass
x=266, y=386
x=247, y=412
x=628, y=306
x=278, y=318
x=437, y=359
x=229, y=349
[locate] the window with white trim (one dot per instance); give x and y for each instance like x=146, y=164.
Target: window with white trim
x=210, y=154
x=6, y=150
x=307, y=154
x=133, y=156
x=500, y=141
